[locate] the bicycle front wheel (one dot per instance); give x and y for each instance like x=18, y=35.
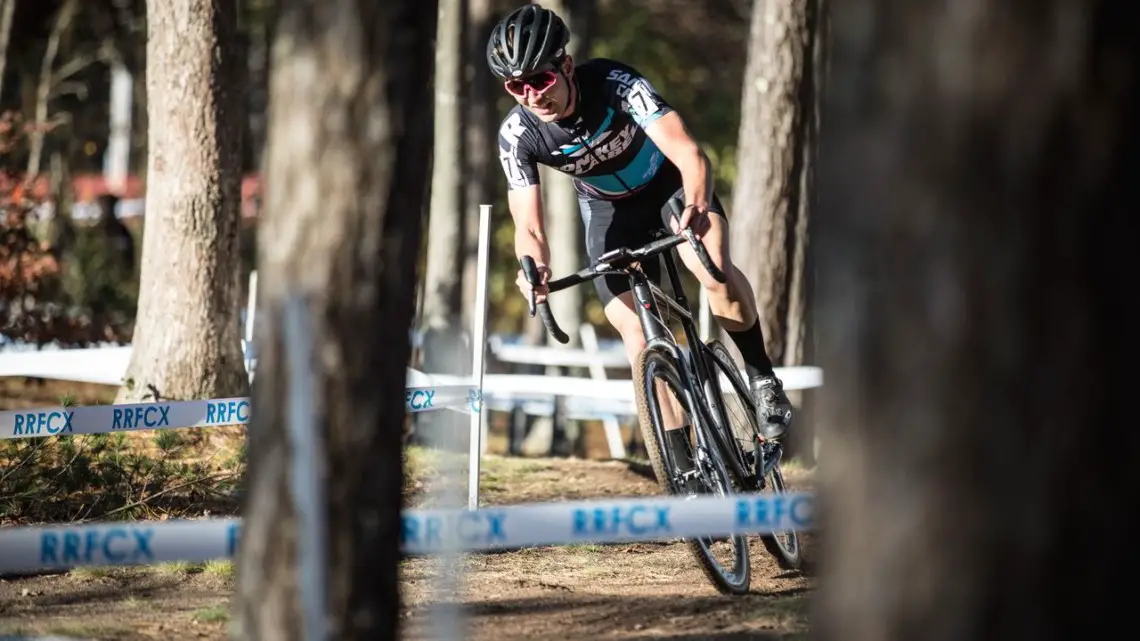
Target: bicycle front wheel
x=734, y=413
x=661, y=405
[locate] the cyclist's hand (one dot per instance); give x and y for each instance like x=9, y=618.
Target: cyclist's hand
x=695, y=217
x=541, y=291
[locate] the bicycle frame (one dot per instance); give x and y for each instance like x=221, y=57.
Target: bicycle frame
x=699, y=385
x=696, y=365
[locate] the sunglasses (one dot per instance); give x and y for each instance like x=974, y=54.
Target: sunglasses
x=538, y=82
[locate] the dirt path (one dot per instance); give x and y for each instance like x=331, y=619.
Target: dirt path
x=627, y=591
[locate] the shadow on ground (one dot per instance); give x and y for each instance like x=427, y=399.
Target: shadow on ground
x=566, y=615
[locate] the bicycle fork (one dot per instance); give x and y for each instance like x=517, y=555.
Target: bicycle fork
x=702, y=450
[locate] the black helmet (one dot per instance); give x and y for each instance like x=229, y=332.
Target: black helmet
x=525, y=40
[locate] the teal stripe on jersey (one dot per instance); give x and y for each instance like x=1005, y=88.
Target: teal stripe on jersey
x=636, y=174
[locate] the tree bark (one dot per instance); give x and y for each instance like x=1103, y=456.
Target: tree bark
x=443, y=287
x=480, y=130
x=976, y=230
x=60, y=26
x=446, y=344
x=187, y=338
x=770, y=200
x=347, y=160
x=7, y=9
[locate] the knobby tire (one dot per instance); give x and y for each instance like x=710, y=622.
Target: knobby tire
x=652, y=363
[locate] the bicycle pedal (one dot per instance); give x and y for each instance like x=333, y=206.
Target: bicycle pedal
x=773, y=453
x=750, y=459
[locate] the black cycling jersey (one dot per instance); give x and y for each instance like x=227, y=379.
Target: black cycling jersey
x=603, y=145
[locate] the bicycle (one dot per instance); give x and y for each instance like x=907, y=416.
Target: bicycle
x=728, y=457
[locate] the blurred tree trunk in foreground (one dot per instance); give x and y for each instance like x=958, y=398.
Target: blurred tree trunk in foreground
x=347, y=159
x=976, y=234
x=187, y=337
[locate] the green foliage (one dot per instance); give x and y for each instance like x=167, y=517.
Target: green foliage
x=95, y=280
x=113, y=476
x=58, y=280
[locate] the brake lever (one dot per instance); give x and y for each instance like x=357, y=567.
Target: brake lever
x=530, y=270
x=697, y=246
x=686, y=232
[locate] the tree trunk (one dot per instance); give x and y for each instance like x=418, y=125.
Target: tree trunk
x=7, y=9
x=480, y=129
x=976, y=232
x=563, y=220
x=257, y=70
x=770, y=200
x=444, y=270
x=60, y=26
x=446, y=346
x=187, y=339
x=347, y=158
x=564, y=228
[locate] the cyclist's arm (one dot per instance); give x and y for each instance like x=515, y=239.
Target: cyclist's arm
x=665, y=128
x=525, y=204
x=673, y=139
x=524, y=193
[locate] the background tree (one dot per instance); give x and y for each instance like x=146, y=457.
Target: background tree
x=481, y=184
x=49, y=77
x=563, y=220
x=443, y=344
x=771, y=194
x=350, y=131
x=187, y=338
x=7, y=11
x=976, y=231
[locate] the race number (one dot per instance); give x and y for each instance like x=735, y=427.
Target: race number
x=641, y=101
x=513, y=170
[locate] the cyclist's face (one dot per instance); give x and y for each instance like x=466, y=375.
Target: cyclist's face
x=545, y=93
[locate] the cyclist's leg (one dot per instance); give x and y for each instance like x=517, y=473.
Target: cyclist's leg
x=612, y=224
x=734, y=306
x=732, y=302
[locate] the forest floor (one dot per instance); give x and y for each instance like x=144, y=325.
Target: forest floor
x=626, y=591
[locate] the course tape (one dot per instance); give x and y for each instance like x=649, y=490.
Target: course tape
x=105, y=419
x=424, y=531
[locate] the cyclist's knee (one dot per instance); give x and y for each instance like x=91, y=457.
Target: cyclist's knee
x=712, y=286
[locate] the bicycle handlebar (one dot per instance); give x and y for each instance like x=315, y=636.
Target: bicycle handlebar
x=697, y=245
x=530, y=269
x=620, y=256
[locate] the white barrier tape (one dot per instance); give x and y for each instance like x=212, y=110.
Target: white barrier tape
x=105, y=419
x=516, y=526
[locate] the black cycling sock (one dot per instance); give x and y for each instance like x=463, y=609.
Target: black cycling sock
x=750, y=342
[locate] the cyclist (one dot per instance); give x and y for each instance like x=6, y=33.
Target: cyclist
x=629, y=153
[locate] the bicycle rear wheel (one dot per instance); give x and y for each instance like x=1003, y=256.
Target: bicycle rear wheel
x=658, y=389
x=736, y=420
